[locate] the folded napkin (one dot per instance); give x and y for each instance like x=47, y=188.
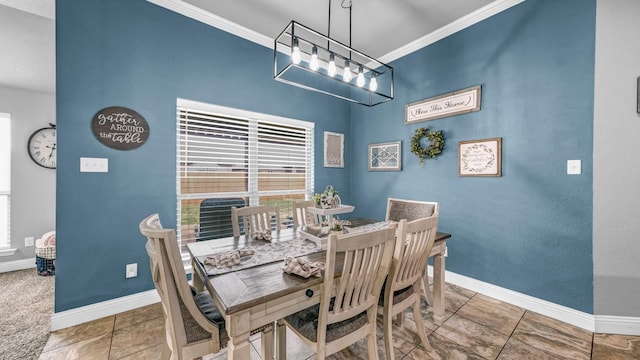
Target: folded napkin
x=228, y=258
x=302, y=267
x=262, y=235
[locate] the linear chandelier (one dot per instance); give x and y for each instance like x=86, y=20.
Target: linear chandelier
x=310, y=60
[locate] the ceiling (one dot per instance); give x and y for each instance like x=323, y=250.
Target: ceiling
x=27, y=35
x=384, y=29
x=378, y=26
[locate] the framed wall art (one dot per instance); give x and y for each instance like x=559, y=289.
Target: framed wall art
x=449, y=104
x=480, y=157
x=385, y=156
x=333, y=149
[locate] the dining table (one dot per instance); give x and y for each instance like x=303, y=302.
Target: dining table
x=250, y=297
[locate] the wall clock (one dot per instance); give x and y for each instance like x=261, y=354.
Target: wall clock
x=42, y=147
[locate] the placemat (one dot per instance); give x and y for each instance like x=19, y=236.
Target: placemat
x=265, y=254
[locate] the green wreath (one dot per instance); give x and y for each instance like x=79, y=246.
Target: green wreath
x=435, y=147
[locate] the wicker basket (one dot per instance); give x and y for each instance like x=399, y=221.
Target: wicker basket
x=47, y=252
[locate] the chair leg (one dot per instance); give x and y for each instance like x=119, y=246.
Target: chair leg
x=281, y=340
x=417, y=315
x=428, y=295
x=266, y=339
x=400, y=319
x=388, y=332
x=372, y=345
x=166, y=352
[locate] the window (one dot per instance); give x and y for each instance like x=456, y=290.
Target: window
x=5, y=180
x=228, y=157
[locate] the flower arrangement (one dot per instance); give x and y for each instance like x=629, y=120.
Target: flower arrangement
x=328, y=198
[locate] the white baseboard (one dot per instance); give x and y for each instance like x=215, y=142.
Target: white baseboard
x=99, y=310
x=623, y=325
x=15, y=265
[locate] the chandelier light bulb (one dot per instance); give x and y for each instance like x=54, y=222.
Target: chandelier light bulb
x=295, y=52
x=360, y=80
x=331, y=70
x=373, y=85
x=313, y=64
x=346, y=75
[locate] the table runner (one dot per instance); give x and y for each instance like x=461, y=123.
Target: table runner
x=265, y=254
x=369, y=227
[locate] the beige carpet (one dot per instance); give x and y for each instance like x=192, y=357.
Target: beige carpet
x=26, y=306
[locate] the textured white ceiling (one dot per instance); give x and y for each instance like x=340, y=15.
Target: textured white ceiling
x=27, y=59
x=379, y=27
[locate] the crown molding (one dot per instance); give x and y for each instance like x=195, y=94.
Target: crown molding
x=464, y=22
x=216, y=21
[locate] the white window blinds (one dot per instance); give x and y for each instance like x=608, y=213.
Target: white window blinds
x=228, y=157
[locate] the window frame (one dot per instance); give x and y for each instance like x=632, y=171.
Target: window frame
x=255, y=121
x=5, y=169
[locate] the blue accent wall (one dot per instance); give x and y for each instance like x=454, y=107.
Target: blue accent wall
x=138, y=55
x=531, y=229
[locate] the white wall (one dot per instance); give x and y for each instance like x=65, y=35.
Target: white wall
x=33, y=189
x=616, y=168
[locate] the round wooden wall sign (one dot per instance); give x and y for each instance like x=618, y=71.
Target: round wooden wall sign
x=120, y=128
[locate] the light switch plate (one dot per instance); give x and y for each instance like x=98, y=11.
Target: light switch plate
x=574, y=167
x=88, y=164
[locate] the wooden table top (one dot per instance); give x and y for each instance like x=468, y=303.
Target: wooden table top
x=240, y=290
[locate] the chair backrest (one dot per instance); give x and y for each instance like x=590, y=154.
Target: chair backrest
x=180, y=310
x=413, y=246
x=367, y=260
x=255, y=218
x=301, y=217
x=398, y=209
x=215, y=218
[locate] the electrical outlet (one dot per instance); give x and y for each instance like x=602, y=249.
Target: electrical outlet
x=574, y=167
x=132, y=270
x=446, y=251
x=28, y=241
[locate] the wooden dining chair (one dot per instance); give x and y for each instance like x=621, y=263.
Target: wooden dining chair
x=194, y=326
x=301, y=217
x=402, y=287
x=398, y=209
x=348, y=303
x=255, y=218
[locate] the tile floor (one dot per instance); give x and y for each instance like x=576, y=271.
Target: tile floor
x=476, y=327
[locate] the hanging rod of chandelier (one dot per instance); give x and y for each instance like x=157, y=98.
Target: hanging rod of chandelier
x=308, y=59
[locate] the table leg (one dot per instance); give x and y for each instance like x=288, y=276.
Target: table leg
x=238, y=331
x=281, y=341
x=438, y=288
x=266, y=343
x=239, y=347
x=195, y=277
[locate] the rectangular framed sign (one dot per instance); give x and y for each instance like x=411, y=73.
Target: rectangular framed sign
x=454, y=103
x=480, y=157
